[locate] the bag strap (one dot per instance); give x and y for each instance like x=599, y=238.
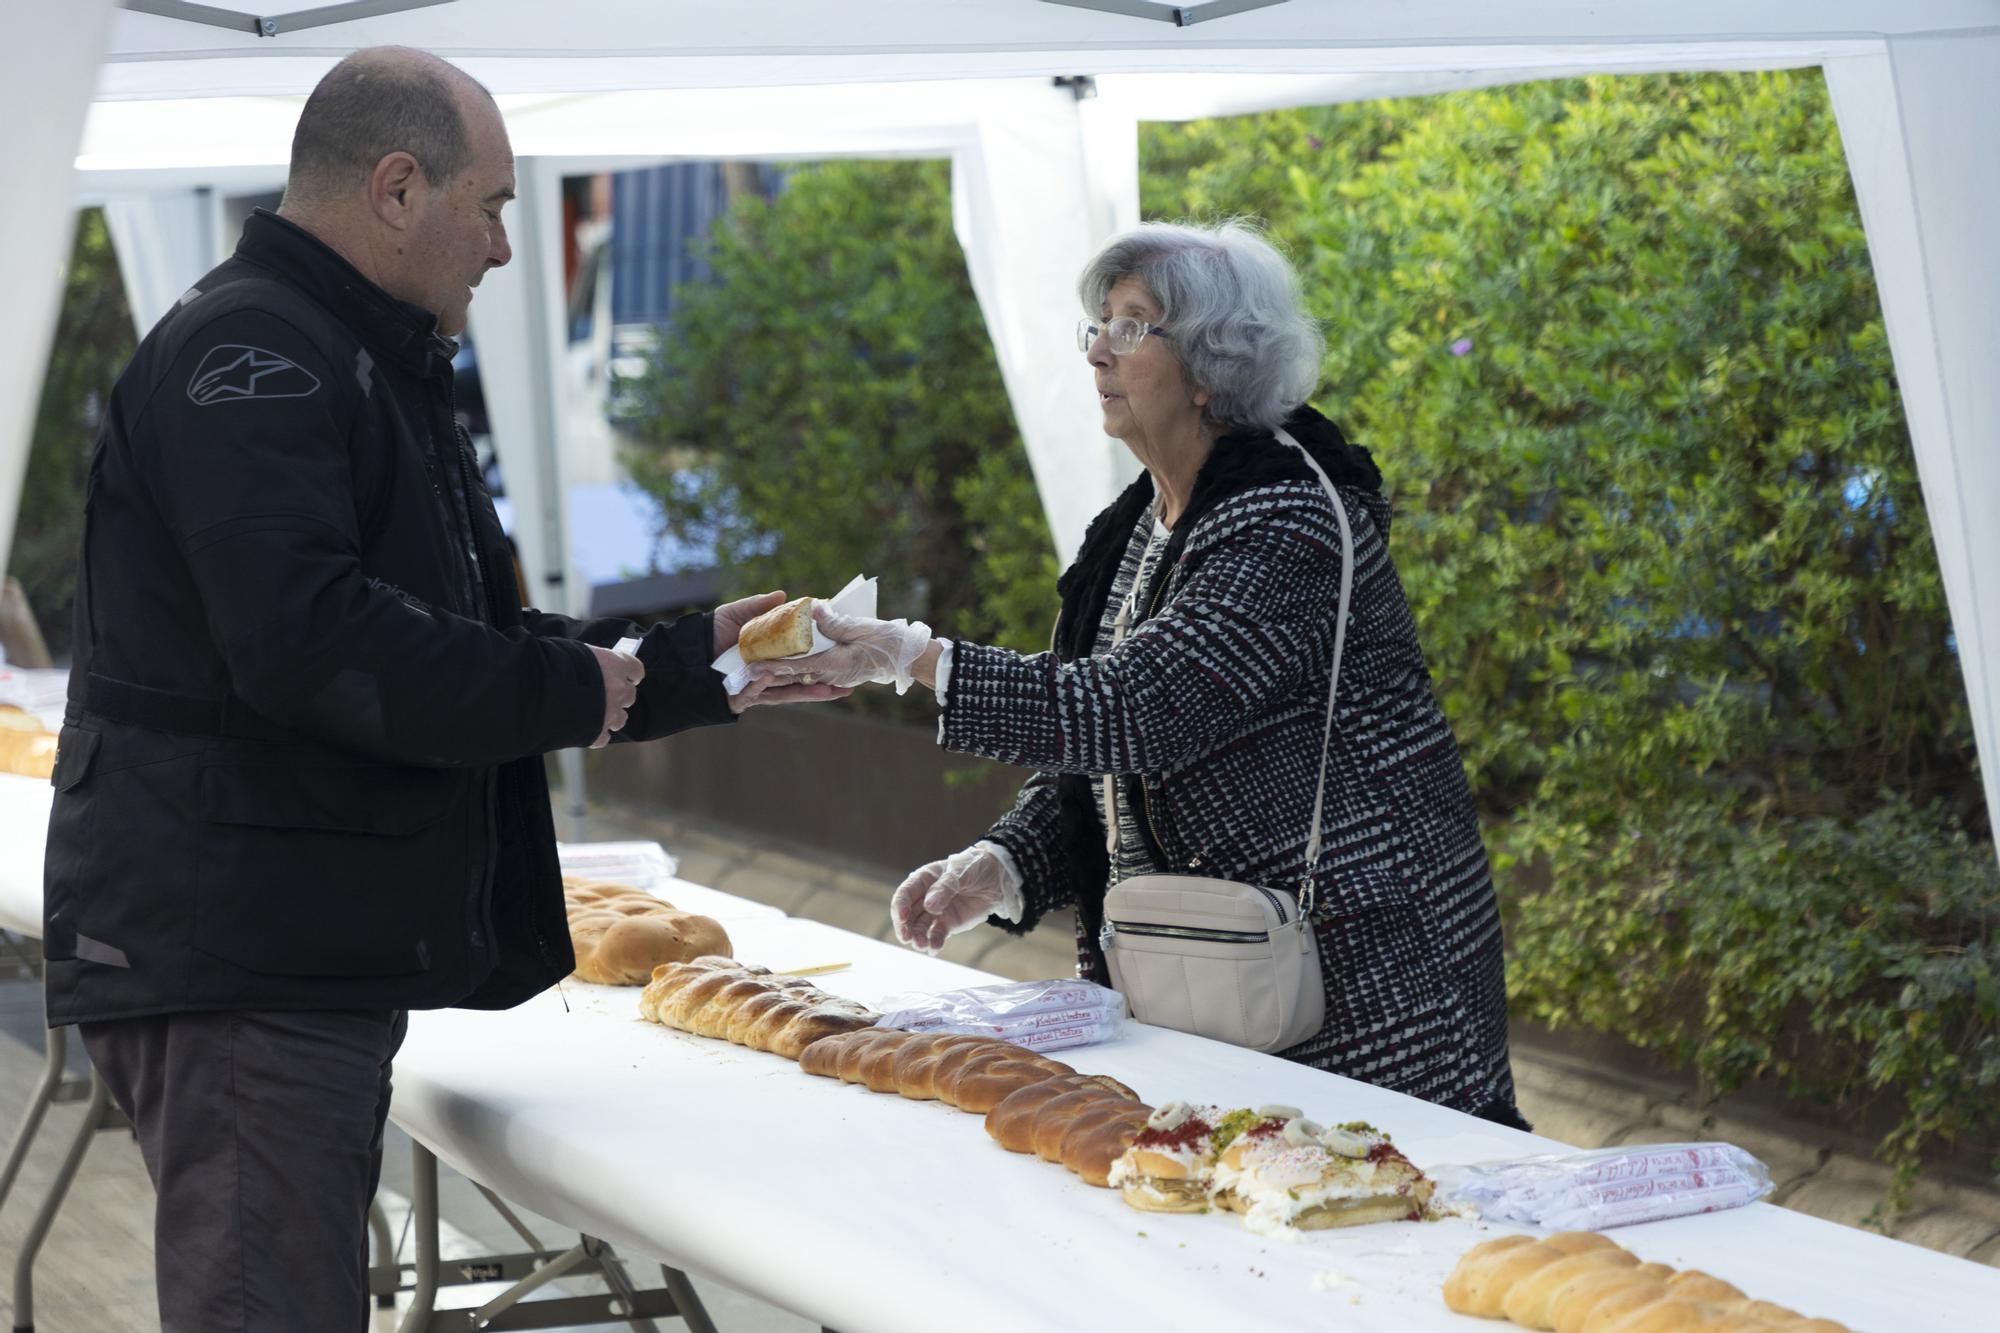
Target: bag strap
x=1122, y=624
x=1307, y=894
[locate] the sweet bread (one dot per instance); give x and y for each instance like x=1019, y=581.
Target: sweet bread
x=620, y=935
x=1580, y=1282
x=783, y=631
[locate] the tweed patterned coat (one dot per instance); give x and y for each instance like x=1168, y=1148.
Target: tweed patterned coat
x=1213, y=709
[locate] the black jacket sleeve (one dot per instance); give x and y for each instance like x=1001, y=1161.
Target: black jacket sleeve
x=681, y=690
x=252, y=476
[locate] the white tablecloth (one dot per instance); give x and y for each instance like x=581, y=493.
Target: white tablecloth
x=24, y=826
x=872, y=1214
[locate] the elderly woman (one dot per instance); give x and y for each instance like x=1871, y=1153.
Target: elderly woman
x=1226, y=557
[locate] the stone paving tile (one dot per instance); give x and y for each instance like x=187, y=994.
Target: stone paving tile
x=1555, y=1079
x=1987, y=1253
x=1950, y=1230
x=1030, y=958
x=969, y=948
x=784, y=892
x=1835, y=1198
x=1578, y=1125
x=863, y=916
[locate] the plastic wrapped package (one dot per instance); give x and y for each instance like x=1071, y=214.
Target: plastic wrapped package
x=1040, y=1015
x=1608, y=1187
x=641, y=865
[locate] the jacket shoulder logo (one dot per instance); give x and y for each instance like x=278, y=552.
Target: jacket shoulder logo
x=233, y=373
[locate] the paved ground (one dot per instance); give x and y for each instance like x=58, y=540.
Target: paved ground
x=96, y=1269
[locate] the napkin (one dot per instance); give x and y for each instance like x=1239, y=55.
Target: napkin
x=856, y=599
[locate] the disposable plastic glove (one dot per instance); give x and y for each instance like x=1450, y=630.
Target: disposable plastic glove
x=939, y=900
x=878, y=652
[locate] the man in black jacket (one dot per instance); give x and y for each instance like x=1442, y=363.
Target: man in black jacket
x=300, y=787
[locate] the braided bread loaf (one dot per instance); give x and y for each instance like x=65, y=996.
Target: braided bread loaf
x=1581, y=1282
x=620, y=934
x=748, y=1005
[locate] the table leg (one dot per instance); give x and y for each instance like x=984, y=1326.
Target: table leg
x=385, y=1276
x=686, y=1301
x=45, y=1216
x=56, y=1054
x=424, y=1223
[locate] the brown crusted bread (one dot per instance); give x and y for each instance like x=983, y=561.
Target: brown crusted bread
x=711, y=1017
x=750, y=1012
x=986, y=1086
x=720, y=998
x=1100, y=1137
x=1694, y=1285
x=1531, y=1303
x=1012, y=1122
x=1483, y=1279
x=1573, y=1306
x=917, y=1063
x=1578, y=1282
x=950, y=1080
x=620, y=934
x=783, y=631
x=823, y=1057
x=815, y=1025
x=1058, y=1117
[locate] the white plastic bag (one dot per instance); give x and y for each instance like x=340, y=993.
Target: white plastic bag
x=1608, y=1187
x=1040, y=1015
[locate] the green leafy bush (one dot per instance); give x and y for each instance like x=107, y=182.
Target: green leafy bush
x=93, y=341
x=1617, y=346
x=830, y=403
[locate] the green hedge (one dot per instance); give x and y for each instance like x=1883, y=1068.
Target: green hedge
x=1616, y=343
x=93, y=341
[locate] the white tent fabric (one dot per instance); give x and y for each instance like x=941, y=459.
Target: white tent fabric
x=45, y=72
x=1913, y=80
x=1928, y=197
x=164, y=240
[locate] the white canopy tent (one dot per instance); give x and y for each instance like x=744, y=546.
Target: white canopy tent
x=1039, y=176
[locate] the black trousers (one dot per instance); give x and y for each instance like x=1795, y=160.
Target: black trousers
x=263, y=1134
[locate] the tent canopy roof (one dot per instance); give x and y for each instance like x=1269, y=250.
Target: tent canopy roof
x=611, y=44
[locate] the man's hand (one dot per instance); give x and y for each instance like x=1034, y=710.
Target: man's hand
x=759, y=692
x=730, y=619
x=622, y=673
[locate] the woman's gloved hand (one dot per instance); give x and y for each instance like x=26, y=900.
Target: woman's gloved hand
x=943, y=898
x=878, y=652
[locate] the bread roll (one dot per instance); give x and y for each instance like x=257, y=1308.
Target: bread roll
x=620, y=934
x=784, y=631
x=1693, y=1285
x=1531, y=1303
x=1058, y=1116
x=1613, y=1305
x=1666, y=1315
x=1100, y=1137
x=917, y=1063
x=1011, y=1123
x=815, y=1025
x=986, y=1086
x=822, y=1058
x=1574, y=1305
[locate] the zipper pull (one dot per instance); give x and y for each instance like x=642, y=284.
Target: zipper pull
x=1105, y=935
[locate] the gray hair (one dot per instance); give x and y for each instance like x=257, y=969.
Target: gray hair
x=379, y=101
x=1230, y=305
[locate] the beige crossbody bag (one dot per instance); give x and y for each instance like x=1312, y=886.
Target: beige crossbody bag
x=1236, y=962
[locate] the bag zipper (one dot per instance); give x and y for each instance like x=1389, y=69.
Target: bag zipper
x=1115, y=928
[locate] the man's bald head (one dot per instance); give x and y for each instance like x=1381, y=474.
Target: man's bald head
x=381, y=100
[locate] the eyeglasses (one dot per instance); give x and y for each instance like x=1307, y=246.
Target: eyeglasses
x=1123, y=335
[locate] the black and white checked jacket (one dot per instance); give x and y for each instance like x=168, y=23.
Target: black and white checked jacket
x=1213, y=710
